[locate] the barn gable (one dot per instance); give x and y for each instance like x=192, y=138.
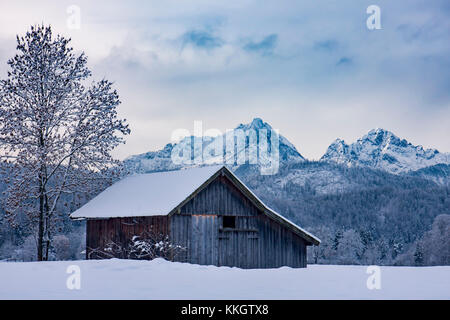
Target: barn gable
x=219, y=196
x=221, y=225
x=224, y=200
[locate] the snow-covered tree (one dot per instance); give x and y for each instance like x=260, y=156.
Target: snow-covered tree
x=56, y=130
x=434, y=247
x=418, y=254
x=350, y=247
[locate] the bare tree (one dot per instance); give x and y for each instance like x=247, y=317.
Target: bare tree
x=55, y=129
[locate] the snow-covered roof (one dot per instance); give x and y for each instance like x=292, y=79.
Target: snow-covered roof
x=160, y=193
x=148, y=194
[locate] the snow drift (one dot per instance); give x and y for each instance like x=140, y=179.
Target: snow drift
x=160, y=279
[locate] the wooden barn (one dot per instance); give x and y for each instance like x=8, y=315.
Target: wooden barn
x=206, y=211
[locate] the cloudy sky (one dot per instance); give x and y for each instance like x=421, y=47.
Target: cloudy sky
x=311, y=69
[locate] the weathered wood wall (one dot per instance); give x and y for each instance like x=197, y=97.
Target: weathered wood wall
x=101, y=232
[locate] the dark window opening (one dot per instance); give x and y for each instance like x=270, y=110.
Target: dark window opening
x=229, y=222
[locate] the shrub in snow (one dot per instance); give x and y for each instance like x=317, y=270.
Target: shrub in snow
x=7, y=251
x=61, y=247
x=148, y=245
x=27, y=251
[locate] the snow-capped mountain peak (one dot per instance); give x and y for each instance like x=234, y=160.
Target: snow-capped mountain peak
x=161, y=160
x=257, y=124
x=382, y=149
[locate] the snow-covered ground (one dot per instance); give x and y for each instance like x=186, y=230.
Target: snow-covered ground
x=160, y=279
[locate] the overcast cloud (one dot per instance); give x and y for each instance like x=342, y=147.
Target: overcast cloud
x=311, y=69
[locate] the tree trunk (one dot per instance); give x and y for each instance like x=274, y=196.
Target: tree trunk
x=41, y=221
x=42, y=196
x=47, y=227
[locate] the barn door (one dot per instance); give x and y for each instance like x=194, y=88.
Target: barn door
x=238, y=245
x=204, y=239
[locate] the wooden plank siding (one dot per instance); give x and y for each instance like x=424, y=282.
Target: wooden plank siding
x=101, y=232
x=257, y=241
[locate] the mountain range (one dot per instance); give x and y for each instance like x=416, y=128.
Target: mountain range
x=379, y=149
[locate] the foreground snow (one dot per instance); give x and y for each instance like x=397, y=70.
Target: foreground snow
x=160, y=279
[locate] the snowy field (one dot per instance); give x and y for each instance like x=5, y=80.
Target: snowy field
x=159, y=279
